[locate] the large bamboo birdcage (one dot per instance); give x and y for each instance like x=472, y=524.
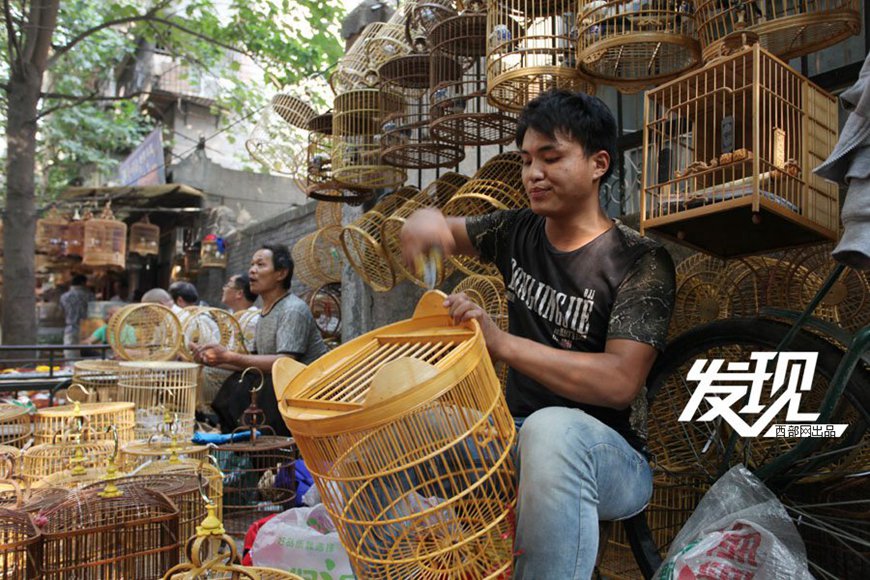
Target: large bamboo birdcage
x=459, y=113
x=377, y=43
x=436, y=194
x=75, y=238
x=15, y=427
x=327, y=214
x=211, y=326
x=93, y=535
x=20, y=546
x=138, y=453
x=321, y=185
x=276, y=143
x=409, y=441
x=325, y=306
x=248, y=320
x=144, y=332
x=158, y=389
x=318, y=257
x=729, y=153
x=786, y=28
x=530, y=50
x=356, y=153
x=51, y=232
x=144, y=238
x=505, y=167
x=99, y=379
x=361, y=241
x=405, y=139
x=105, y=241
x=293, y=110
x=51, y=421
x=632, y=44
x=213, y=486
x=42, y=460
x=76, y=476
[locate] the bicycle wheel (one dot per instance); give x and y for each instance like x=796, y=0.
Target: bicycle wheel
x=807, y=486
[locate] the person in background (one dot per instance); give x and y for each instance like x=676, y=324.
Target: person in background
x=157, y=296
x=74, y=303
x=239, y=298
x=120, y=291
x=100, y=336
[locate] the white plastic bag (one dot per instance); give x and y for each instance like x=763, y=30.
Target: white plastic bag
x=739, y=530
x=303, y=541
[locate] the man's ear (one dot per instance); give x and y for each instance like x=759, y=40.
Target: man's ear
x=601, y=161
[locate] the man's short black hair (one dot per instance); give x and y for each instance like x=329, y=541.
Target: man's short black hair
x=79, y=280
x=243, y=282
x=581, y=117
x=281, y=260
x=185, y=290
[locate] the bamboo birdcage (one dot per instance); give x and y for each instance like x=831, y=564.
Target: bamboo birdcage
x=248, y=320
x=327, y=214
x=75, y=238
x=530, y=50
x=325, y=306
x=632, y=44
x=377, y=43
x=51, y=232
x=293, y=110
x=42, y=460
x=75, y=476
x=275, y=143
x=213, y=253
x=436, y=194
x=137, y=453
x=318, y=257
x=158, y=389
x=361, y=241
x=211, y=326
x=185, y=465
x=105, y=241
x=786, y=28
x=49, y=422
x=729, y=152
x=144, y=332
x=144, y=238
x=34, y=500
x=94, y=535
x=99, y=379
x=504, y=167
x=20, y=546
x=488, y=292
x=405, y=139
x=459, y=112
x=15, y=427
x=409, y=441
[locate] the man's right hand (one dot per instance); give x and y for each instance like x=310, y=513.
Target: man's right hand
x=423, y=230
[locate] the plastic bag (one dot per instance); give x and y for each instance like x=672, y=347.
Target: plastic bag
x=739, y=530
x=303, y=541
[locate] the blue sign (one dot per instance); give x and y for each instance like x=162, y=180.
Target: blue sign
x=145, y=165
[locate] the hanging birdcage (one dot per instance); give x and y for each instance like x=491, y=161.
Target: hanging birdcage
x=105, y=241
x=377, y=43
x=144, y=332
x=20, y=546
x=409, y=441
x=50, y=421
x=144, y=238
x=530, y=50
x=785, y=28
x=51, y=232
x=211, y=326
x=293, y=110
x=361, y=241
x=213, y=253
x=318, y=257
x=277, y=144
x=632, y=44
x=99, y=378
x=327, y=214
x=405, y=139
x=159, y=389
x=325, y=306
x=458, y=110
x=75, y=238
x=93, y=535
x=436, y=194
x=15, y=428
x=729, y=152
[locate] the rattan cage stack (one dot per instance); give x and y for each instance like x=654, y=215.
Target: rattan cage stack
x=144, y=332
x=158, y=388
x=318, y=256
x=144, y=238
x=436, y=194
x=15, y=428
x=53, y=421
x=99, y=379
x=361, y=241
x=105, y=241
x=409, y=440
x=729, y=153
x=20, y=546
x=530, y=50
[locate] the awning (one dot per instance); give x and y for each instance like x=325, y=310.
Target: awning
x=169, y=205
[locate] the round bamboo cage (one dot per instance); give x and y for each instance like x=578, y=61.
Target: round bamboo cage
x=248, y=320
x=51, y=232
x=327, y=214
x=632, y=44
x=76, y=476
x=405, y=139
x=325, y=306
x=214, y=487
x=94, y=535
x=137, y=453
x=52, y=421
x=213, y=253
x=211, y=326
x=335, y=192
x=529, y=50
x=319, y=151
x=144, y=238
x=105, y=241
x=12, y=455
x=376, y=44
x=318, y=257
x=356, y=152
x=99, y=379
x=436, y=194
x=293, y=110
x=361, y=241
x=33, y=500
x=15, y=427
x=277, y=145
x=459, y=113
x=144, y=332
x=785, y=28
x=43, y=460
x=407, y=412
x=423, y=16
x=75, y=238
x=504, y=167
x=20, y=546
x=489, y=293
x=158, y=389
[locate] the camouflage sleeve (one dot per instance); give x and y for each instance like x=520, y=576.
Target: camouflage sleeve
x=489, y=233
x=645, y=300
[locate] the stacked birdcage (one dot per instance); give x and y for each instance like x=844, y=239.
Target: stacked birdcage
x=729, y=152
x=459, y=112
x=530, y=50
x=409, y=441
x=277, y=139
x=99, y=379
x=361, y=241
x=211, y=326
x=144, y=332
x=785, y=28
x=15, y=428
x=101, y=533
x=436, y=195
x=20, y=546
x=105, y=241
x=50, y=421
x=144, y=238
x=377, y=43
x=159, y=389
x=496, y=185
x=318, y=257
x=632, y=44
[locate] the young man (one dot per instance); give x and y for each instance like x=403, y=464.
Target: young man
x=589, y=306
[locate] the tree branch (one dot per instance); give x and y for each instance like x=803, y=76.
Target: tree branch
x=12, y=40
x=79, y=99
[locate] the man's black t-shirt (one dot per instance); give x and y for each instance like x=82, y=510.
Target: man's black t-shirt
x=619, y=285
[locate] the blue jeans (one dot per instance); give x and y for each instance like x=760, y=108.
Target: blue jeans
x=573, y=471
